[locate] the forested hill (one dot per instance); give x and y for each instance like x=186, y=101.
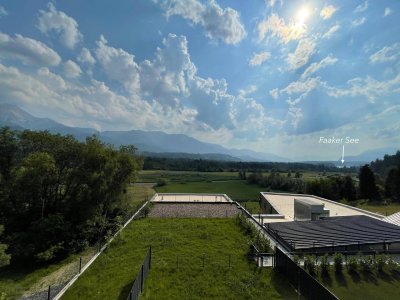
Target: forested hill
x=383, y=166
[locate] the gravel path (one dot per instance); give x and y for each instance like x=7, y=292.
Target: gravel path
x=193, y=210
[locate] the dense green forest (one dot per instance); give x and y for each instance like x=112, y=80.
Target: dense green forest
x=59, y=195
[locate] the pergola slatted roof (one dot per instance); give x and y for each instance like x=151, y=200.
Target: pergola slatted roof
x=340, y=231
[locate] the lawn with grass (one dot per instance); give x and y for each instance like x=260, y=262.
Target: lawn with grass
x=360, y=285
x=237, y=190
x=383, y=209
x=190, y=241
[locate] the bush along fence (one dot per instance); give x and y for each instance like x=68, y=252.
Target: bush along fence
x=305, y=284
x=138, y=283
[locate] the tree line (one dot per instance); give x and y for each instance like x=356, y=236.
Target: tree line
x=58, y=195
x=367, y=186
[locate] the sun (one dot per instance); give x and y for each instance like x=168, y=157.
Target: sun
x=303, y=14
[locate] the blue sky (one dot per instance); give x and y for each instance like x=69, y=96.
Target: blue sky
x=271, y=76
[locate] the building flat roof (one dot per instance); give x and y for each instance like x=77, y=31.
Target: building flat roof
x=337, y=231
x=191, y=197
x=284, y=205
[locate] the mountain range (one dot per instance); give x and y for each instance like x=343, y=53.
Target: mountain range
x=156, y=143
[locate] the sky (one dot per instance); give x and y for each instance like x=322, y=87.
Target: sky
x=272, y=76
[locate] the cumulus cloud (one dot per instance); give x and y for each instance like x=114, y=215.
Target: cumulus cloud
x=71, y=69
x=27, y=50
x=387, y=12
x=331, y=31
x=3, y=12
x=258, y=58
x=86, y=57
x=274, y=93
x=362, y=7
x=387, y=53
x=305, y=48
x=248, y=91
x=314, y=67
x=358, y=22
x=367, y=87
x=218, y=23
x=118, y=65
x=63, y=25
x=277, y=27
x=327, y=12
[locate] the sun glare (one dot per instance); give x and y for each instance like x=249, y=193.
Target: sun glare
x=303, y=14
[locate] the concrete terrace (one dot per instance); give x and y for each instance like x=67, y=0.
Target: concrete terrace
x=283, y=204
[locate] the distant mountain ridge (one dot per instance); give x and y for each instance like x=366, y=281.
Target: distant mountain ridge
x=145, y=141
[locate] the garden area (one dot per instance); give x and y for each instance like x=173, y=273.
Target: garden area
x=358, y=277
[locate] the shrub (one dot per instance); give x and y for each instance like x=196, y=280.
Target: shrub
x=309, y=264
x=161, y=182
x=380, y=262
x=366, y=263
x=352, y=264
x=296, y=259
x=325, y=264
x=338, y=260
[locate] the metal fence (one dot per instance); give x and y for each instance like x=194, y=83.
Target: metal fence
x=138, y=283
x=305, y=284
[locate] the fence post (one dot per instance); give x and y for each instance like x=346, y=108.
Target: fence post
x=80, y=264
x=141, y=281
x=49, y=293
x=150, y=258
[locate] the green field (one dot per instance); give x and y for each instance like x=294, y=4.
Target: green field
x=364, y=285
x=185, y=176
x=383, y=209
x=111, y=276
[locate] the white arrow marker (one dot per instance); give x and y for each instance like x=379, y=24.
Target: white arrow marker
x=342, y=155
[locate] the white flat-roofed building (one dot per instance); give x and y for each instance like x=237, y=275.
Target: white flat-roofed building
x=280, y=207
x=190, y=197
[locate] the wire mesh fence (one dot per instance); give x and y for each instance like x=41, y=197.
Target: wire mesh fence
x=138, y=284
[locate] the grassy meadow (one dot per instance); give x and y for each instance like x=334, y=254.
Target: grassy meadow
x=188, y=241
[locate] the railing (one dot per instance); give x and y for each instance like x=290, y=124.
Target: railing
x=138, y=283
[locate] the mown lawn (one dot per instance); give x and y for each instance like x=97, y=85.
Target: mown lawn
x=383, y=209
x=188, y=241
x=361, y=285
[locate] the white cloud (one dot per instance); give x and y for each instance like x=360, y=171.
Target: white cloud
x=387, y=53
x=277, y=27
x=62, y=24
x=258, y=58
x=27, y=50
x=358, y=22
x=3, y=12
x=314, y=67
x=361, y=7
x=301, y=86
x=248, y=91
x=367, y=87
x=295, y=115
x=71, y=69
x=86, y=57
x=387, y=12
x=219, y=23
x=327, y=12
x=274, y=93
x=305, y=48
x=118, y=65
x=331, y=31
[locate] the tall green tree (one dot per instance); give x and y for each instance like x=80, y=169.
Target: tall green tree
x=392, y=184
x=367, y=184
x=349, y=189
x=4, y=257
